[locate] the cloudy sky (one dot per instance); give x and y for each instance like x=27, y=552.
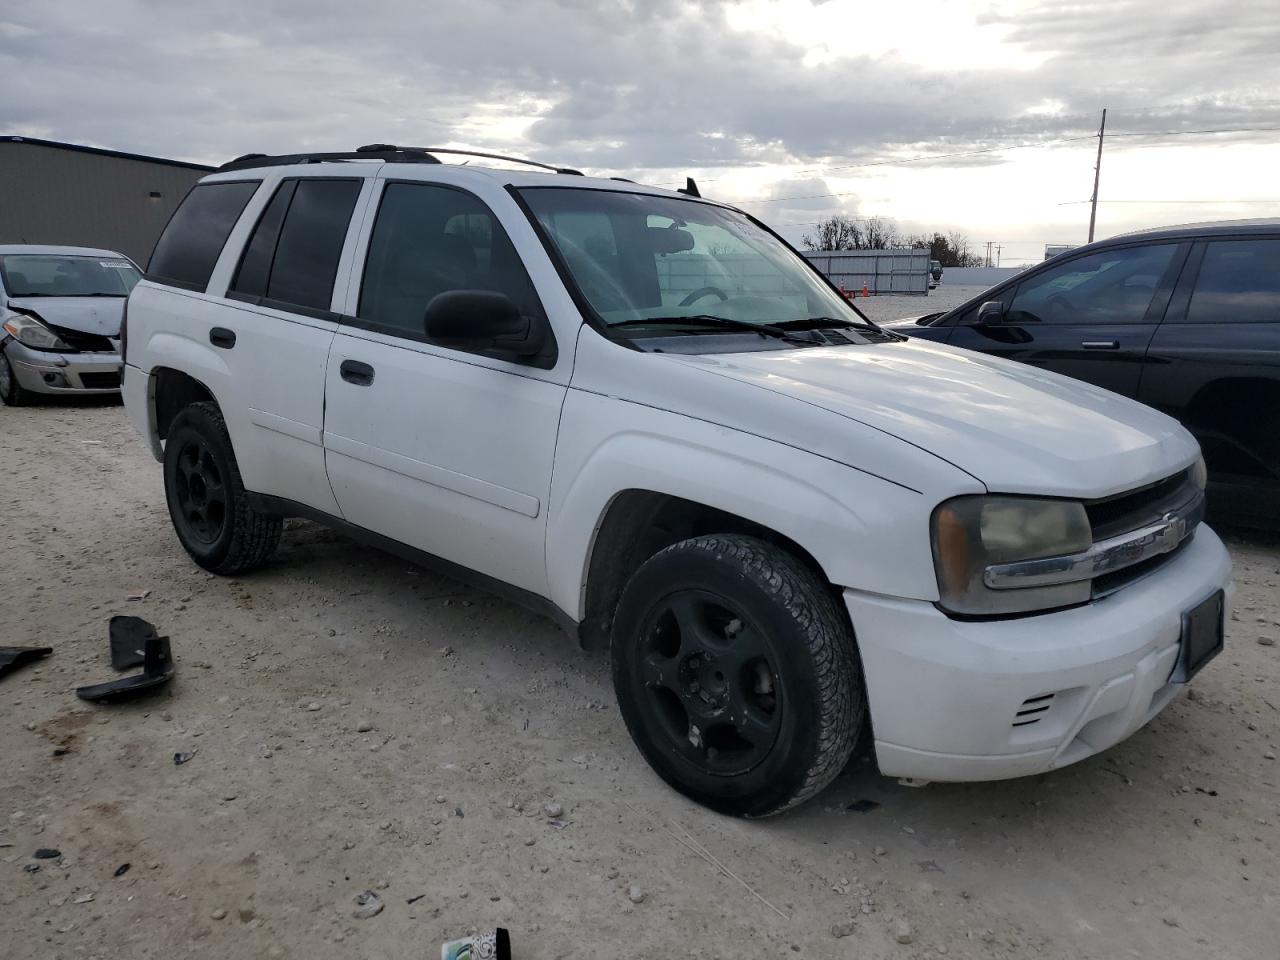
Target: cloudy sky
x=795, y=109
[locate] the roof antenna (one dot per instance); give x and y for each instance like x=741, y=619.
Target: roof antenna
x=690, y=188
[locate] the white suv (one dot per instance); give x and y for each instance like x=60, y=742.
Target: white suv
x=644, y=414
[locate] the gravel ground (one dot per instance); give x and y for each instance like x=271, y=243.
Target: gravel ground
x=360, y=724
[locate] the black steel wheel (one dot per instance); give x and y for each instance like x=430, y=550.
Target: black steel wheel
x=207, y=500
x=737, y=674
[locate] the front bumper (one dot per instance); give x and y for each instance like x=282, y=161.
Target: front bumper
x=986, y=700
x=45, y=372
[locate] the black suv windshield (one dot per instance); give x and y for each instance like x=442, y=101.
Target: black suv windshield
x=643, y=259
x=59, y=275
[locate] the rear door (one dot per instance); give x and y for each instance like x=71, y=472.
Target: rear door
x=445, y=450
x=1215, y=364
x=1090, y=317
x=276, y=326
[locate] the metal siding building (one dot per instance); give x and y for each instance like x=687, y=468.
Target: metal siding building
x=61, y=193
x=883, y=271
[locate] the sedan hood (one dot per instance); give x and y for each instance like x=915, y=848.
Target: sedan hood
x=1018, y=429
x=100, y=315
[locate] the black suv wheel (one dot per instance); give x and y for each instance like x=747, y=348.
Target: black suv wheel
x=207, y=500
x=737, y=674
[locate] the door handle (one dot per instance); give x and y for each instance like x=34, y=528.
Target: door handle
x=222, y=337
x=353, y=371
x=1101, y=344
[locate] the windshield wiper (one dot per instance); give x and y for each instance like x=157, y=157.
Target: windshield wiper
x=708, y=320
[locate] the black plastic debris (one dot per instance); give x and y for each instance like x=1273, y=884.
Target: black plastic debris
x=863, y=806
x=413, y=900
x=180, y=758
x=156, y=660
x=47, y=853
x=122, y=869
x=11, y=658
x=129, y=636
x=30, y=867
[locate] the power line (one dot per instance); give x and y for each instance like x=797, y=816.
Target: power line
x=1067, y=203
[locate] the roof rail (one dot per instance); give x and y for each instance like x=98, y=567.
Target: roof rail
x=488, y=156
x=377, y=151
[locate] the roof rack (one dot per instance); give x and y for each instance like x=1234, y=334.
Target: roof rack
x=383, y=152
x=477, y=153
x=388, y=152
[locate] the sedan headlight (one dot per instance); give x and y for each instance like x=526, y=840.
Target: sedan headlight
x=32, y=333
x=973, y=533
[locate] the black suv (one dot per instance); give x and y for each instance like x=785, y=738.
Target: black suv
x=1186, y=319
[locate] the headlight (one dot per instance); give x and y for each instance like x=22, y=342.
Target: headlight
x=972, y=533
x=1199, y=474
x=32, y=333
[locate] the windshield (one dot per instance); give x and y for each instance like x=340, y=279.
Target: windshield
x=59, y=275
x=636, y=256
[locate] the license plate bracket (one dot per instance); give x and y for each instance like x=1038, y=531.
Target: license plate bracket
x=1203, y=629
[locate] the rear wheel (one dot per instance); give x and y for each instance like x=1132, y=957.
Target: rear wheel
x=207, y=500
x=737, y=674
x=11, y=391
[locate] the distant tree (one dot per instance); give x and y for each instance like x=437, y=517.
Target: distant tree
x=836, y=233
x=881, y=233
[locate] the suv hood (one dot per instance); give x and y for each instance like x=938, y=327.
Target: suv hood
x=1018, y=429
x=100, y=315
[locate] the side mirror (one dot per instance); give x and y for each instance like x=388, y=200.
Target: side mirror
x=484, y=321
x=991, y=314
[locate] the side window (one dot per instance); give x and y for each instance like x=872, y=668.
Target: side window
x=1239, y=282
x=1111, y=286
x=428, y=240
x=186, y=252
x=292, y=256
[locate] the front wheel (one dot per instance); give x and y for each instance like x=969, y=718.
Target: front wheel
x=11, y=391
x=737, y=674
x=207, y=500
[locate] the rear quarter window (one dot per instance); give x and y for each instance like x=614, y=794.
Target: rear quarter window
x=1239, y=282
x=186, y=252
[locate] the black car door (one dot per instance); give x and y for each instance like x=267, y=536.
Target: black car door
x=1089, y=317
x=1215, y=364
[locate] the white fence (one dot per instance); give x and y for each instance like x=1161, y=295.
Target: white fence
x=881, y=271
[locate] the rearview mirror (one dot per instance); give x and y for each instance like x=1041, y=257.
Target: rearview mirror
x=484, y=321
x=670, y=239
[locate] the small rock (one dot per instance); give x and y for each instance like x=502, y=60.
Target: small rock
x=368, y=904
x=313, y=706
x=180, y=758
x=219, y=914
x=1269, y=755
x=1267, y=641
x=1170, y=921
x=246, y=914
x=446, y=651
x=635, y=894
x=364, y=726
x=47, y=853
x=902, y=932
x=846, y=929
x=440, y=798
x=1193, y=694
x=385, y=825
x=275, y=950
x=30, y=867
x=879, y=851
x=553, y=810
x=530, y=842
x=166, y=716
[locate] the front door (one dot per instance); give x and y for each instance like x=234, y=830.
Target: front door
x=1090, y=318
x=444, y=450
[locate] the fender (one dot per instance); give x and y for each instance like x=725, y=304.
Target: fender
x=852, y=523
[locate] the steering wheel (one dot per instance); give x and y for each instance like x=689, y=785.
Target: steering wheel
x=701, y=292
x=1059, y=303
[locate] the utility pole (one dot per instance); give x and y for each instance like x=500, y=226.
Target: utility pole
x=999, y=247
x=1097, y=172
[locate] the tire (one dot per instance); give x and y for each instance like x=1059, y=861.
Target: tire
x=737, y=674
x=207, y=501
x=11, y=391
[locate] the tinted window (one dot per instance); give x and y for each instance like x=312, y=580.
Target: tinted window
x=311, y=239
x=1111, y=286
x=1239, y=282
x=188, y=249
x=428, y=240
x=255, y=264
